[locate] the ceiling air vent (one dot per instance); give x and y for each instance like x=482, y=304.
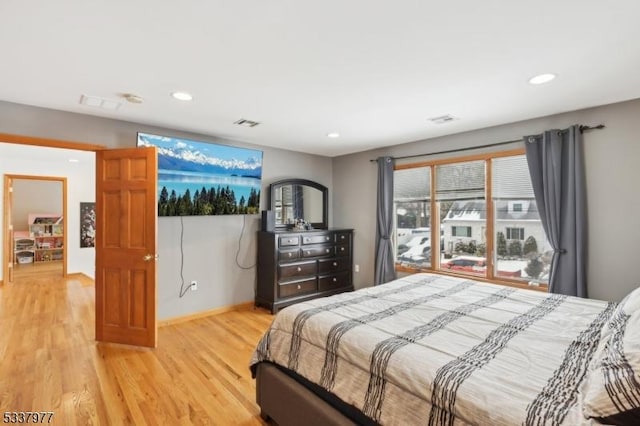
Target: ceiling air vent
x=443, y=119
x=246, y=123
x=98, y=102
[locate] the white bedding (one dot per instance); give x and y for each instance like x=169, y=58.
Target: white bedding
x=438, y=350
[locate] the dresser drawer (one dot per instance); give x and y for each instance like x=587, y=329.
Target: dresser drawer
x=342, y=237
x=317, y=251
x=328, y=266
x=290, y=240
x=297, y=288
x=298, y=270
x=289, y=254
x=332, y=282
x=317, y=239
x=342, y=250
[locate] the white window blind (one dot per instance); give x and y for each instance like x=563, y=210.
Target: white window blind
x=460, y=181
x=412, y=184
x=510, y=178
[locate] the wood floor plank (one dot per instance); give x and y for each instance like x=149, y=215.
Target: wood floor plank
x=49, y=361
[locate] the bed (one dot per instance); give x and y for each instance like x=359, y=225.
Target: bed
x=440, y=350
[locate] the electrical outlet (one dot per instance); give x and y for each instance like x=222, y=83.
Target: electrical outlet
x=356, y=268
x=194, y=285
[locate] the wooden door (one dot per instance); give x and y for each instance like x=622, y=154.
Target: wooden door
x=126, y=224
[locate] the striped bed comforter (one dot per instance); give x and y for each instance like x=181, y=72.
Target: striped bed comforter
x=437, y=350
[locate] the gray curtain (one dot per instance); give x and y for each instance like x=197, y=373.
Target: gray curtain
x=556, y=167
x=385, y=269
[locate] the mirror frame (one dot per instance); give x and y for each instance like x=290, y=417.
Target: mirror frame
x=325, y=201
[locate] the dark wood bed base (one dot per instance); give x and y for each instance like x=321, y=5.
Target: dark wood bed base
x=286, y=401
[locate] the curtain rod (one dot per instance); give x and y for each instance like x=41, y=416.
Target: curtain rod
x=449, y=151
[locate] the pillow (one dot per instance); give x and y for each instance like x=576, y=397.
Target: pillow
x=611, y=390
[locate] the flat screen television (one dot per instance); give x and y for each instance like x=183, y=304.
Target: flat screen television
x=200, y=178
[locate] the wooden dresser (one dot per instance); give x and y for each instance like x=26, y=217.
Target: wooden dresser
x=294, y=266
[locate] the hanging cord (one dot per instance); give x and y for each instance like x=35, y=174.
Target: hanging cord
x=183, y=290
x=244, y=221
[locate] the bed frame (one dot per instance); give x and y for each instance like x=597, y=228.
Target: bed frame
x=286, y=401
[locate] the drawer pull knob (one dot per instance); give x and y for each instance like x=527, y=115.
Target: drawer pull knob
x=327, y=250
x=326, y=238
x=308, y=252
x=342, y=237
x=342, y=248
x=299, y=269
x=299, y=287
x=289, y=241
x=335, y=280
x=290, y=254
x=335, y=263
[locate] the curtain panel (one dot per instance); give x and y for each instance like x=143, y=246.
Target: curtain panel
x=385, y=269
x=556, y=166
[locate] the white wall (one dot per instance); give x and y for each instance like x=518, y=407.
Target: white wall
x=36, y=161
x=34, y=196
x=210, y=242
x=611, y=161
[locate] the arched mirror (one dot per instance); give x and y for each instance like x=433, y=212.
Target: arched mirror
x=293, y=199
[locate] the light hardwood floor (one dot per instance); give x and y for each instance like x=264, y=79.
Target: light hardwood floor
x=49, y=361
x=38, y=269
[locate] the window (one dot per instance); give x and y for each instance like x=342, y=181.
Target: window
x=488, y=228
x=461, y=231
x=515, y=233
x=412, y=206
x=516, y=257
x=460, y=195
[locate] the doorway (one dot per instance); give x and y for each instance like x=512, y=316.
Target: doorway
x=37, y=226
x=123, y=180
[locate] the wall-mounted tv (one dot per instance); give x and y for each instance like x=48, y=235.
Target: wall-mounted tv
x=200, y=178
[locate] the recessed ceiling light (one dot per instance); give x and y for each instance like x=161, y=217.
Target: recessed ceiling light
x=333, y=135
x=182, y=96
x=542, y=78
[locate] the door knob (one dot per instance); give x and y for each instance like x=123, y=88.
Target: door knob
x=150, y=257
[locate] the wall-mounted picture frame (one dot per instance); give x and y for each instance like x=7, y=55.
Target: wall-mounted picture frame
x=87, y=225
x=197, y=178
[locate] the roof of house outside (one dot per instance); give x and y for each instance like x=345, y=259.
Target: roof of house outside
x=475, y=210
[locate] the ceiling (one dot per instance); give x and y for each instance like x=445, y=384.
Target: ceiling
x=374, y=71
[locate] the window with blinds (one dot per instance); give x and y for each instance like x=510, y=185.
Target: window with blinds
x=521, y=242
x=412, y=203
x=460, y=196
x=511, y=229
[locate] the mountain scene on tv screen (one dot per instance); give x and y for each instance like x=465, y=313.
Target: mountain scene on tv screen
x=198, y=178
